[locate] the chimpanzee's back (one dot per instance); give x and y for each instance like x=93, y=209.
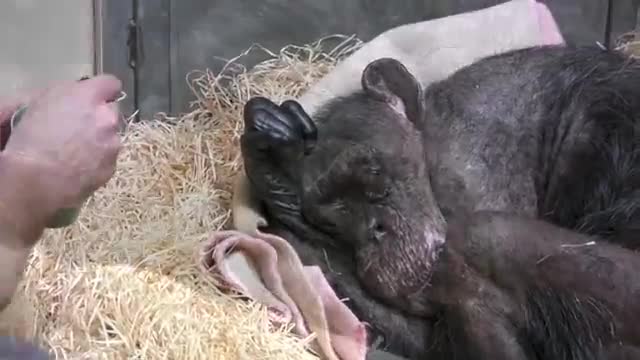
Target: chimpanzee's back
x=549, y=131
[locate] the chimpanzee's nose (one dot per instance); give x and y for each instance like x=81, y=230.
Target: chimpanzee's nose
x=376, y=230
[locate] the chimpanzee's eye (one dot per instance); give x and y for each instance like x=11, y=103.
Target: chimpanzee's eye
x=375, y=196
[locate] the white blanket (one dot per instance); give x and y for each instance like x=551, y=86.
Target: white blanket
x=434, y=49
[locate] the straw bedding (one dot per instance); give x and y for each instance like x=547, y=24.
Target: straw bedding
x=123, y=283
x=629, y=43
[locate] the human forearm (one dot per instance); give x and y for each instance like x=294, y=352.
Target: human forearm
x=21, y=222
x=13, y=263
x=65, y=148
x=22, y=209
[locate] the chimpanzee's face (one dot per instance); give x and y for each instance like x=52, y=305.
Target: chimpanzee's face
x=371, y=190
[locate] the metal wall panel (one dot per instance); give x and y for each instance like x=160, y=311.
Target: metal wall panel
x=178, y=36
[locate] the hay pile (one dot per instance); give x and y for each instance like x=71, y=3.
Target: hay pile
x=629, y=43
x=122, y=283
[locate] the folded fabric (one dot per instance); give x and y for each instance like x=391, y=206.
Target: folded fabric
x=266, y=269
x=434, y=49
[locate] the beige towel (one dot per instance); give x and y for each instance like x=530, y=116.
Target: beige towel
x=267, y=269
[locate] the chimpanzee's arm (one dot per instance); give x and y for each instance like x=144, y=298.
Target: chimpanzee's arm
x=483, y=332
x=480, y=317
x=20, y=227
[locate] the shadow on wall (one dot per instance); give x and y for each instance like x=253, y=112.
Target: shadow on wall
x=182, y=36
x=44, y=41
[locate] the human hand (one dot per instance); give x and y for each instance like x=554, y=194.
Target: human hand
x=8, y=106
x=68, y=139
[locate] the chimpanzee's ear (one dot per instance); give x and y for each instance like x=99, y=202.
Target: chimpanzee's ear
x=388, y=80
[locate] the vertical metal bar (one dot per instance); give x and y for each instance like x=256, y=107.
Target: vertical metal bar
x=98, y=43
x=608, y=24
x=111, y=18
x=153, y=77
x=136, y=68
x=172, y=39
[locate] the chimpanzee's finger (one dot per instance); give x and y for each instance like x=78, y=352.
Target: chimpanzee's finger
x=259, y=103
x=254, y=143
x=266, y=178
x=275, y=126
x=277, y=115
x=308, y=126
x=309, y=130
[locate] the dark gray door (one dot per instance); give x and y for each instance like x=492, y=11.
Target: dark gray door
x=153, y=44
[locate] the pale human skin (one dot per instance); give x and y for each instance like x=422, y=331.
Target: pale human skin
x=65, y=148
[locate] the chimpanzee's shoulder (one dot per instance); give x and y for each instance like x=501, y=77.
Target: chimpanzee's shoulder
x=556, y=51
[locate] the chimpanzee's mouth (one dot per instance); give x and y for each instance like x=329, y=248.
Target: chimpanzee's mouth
x=399, y=273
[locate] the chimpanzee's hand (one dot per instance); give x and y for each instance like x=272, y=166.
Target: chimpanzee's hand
x=280, y=127
x=274, y=144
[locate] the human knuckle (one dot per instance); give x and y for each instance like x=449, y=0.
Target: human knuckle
x=108, y=118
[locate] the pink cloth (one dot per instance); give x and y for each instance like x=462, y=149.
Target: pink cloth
x=267, y=269
x=546, y=24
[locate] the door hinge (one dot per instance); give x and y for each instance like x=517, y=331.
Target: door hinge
x=134, y=43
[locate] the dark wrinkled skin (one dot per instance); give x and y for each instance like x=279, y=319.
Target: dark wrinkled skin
x=264, y=161
x=546, y=132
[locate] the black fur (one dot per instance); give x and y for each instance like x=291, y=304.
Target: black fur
x=579, y=329
x=550, y=132
x=596, y=188
x=578, y=326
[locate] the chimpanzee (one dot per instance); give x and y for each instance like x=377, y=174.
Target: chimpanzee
x=546, y=132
